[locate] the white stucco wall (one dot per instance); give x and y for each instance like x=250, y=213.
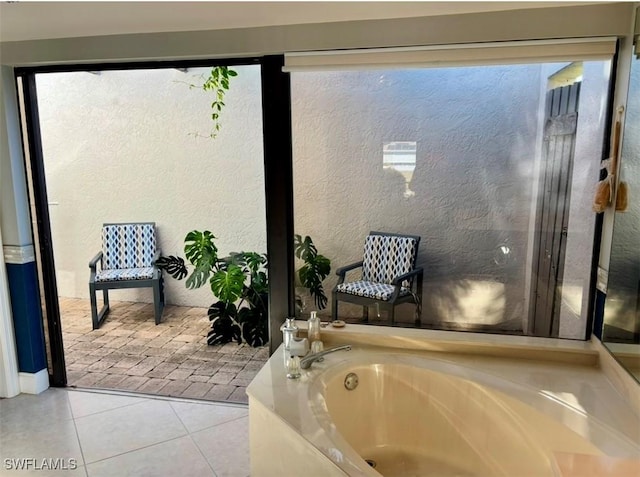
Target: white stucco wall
x=118, y=148
x=477, y=132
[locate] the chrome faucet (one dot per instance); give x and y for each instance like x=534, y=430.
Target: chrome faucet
x=305, y=363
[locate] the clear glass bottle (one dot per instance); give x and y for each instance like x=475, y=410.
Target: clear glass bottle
x=289, y=333
x=313, y=327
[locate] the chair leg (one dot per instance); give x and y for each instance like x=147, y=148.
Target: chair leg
x=334, y=307
x=365, y=313
x=392, y=314
x=157, y=300
x=94, y=307
x=419, y=301
x=98, y=316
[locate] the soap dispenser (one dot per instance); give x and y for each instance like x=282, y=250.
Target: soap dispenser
x=289, y=333
x=313, y=327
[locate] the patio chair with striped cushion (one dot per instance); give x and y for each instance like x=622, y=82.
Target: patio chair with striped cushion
x=127, y=260
x=389, y=276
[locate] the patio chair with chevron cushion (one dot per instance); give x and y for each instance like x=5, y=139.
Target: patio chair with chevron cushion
x=389, y=276
x=127, y=260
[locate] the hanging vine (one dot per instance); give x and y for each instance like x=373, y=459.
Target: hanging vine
x=217, y=83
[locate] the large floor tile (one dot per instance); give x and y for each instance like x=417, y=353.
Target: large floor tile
x=178, y=457
x=197, y=417
x=128, y=428
x=87, y=403
x=52, y=441
x=27, y=411
x=226, y=447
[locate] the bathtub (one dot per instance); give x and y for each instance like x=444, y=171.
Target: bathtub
x=416, y=415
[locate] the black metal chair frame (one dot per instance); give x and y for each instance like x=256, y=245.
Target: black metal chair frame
x=156, y=282
x=415, y=296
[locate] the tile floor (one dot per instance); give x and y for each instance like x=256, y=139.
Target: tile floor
x=130, y=353
x=119, y=434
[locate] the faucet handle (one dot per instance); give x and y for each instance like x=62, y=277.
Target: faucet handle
x=316, y=346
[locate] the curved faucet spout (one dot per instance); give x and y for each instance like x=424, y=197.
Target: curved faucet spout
x=305, y=363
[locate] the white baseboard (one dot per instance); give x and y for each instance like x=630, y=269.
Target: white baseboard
x=34, y=383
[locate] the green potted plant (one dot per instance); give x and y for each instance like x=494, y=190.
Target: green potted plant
x=239, y=282
x=311, y=274
x=240, y=285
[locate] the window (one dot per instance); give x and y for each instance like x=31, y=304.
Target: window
x=500, y=198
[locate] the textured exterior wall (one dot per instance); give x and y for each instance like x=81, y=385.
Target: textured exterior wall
x=118, y=148
x=475, y=132
x=478, y=134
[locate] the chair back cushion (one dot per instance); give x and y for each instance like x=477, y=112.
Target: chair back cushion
x=128, y=246
x=387, y=257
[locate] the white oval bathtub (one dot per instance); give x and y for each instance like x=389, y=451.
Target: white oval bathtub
x=411, y=416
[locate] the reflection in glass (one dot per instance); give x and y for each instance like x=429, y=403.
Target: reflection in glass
x=621, y=330
x=401, y=157
x=485, y=141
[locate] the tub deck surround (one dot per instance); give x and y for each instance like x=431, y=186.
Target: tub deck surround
x=581, y=465
x=621, y=378
x=504, y=346
x=495, y=412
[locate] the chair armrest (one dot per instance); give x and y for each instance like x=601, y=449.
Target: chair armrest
x=92, y=267
x=94, y=261
x=398, y=280
x=341, y=272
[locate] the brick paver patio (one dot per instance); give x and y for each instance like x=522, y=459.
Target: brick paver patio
x=129, y=352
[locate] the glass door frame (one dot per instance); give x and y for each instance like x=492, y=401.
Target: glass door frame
x=278, y=177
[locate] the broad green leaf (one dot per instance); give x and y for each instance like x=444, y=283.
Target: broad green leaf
x=255, y=329
x=224, y=330
x=199, y=276
x=227, y=284
x=174, y=266
x=304, y=249
x=200, y=249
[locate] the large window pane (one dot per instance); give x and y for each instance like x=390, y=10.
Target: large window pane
x=492, y=166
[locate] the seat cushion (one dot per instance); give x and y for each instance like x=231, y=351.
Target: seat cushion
x=124, y=274
x=379, y=291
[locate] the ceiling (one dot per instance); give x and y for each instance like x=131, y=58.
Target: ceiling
x=26, y=20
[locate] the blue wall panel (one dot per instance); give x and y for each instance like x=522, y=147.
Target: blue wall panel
x=27, y=316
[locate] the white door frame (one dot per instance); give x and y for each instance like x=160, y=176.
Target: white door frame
x=9, y=378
